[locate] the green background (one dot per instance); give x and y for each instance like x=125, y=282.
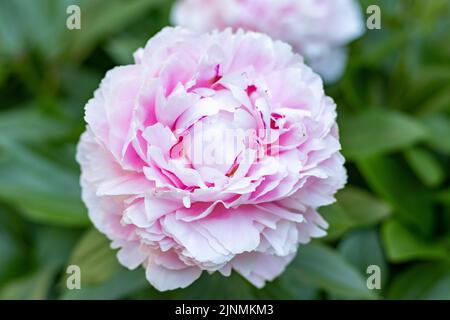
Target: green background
x=394, y=116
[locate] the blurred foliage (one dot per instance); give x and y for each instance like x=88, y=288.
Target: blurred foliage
x=394, y=116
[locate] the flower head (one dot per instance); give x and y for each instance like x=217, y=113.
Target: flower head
x=210, y=153
x=317, y=29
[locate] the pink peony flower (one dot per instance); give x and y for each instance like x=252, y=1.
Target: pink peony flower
x=317, y=29
x=210, y=153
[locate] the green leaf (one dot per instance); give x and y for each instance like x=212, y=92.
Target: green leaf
x=122, y=49
x=12, y=254
x=34, y=26
x=216, y=286
x=444, y=197
x=43, y=24
x=426, y=81
x=54, y=245
x=87, y=80
x=402, y=246
x=363, y=248
x=96, y=259
x=354, y=208
x=382, y=45
x=411, y=201
x=426, y=166
x=438, y=125
x=323, y=267
x=35, y=286
x=119, y=286
x=439, y=101
x=104, y=18
x=12, y=35
x=424, y=281
x=445, y=224
x=28, y=124
x=288, y=286
x=378, y=131
x=39, y=188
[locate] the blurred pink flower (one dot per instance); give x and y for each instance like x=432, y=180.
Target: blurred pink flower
x=317, y=29
x=210, y=153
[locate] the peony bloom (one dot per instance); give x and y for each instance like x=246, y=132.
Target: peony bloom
x=317, y=29
x=210, y=153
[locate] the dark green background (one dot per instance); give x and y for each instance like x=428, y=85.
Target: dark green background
x=394, y=116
